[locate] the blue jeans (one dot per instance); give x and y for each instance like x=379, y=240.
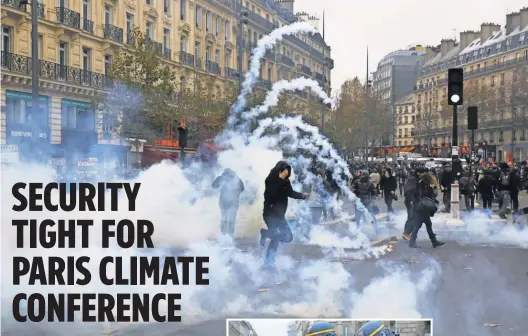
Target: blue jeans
x=278, y=232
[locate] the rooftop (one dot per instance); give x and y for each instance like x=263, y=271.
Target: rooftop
x=408, y=99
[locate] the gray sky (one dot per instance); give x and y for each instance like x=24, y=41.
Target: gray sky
x=270, y=327
x=388, y=25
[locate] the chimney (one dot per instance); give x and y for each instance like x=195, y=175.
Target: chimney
x=486, y=30
x=524, y=17
x=467, y=37
x=430, y=52
x=513, y=20
x=286, y=4
x=446, y=45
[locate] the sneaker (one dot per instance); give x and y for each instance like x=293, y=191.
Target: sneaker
x=406, y=236
x=438, y=244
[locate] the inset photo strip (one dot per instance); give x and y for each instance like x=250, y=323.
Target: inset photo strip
x=328, y=327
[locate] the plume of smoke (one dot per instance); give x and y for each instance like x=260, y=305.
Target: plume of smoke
x=251, y=76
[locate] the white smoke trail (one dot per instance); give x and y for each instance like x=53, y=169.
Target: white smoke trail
x=266, y=42
x=272, y=97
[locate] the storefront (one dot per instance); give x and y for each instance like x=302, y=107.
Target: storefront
x=26, y=127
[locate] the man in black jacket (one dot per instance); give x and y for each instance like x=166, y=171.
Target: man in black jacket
x=412, y=198
x=278, y=190
x=231, y=186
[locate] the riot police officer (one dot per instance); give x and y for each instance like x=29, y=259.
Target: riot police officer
x=375, y=328
x=322, y=328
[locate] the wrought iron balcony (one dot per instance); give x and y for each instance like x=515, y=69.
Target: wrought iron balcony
x=88, y=26
x=52, y=71
x=212, y=67
x=282, y=59
x=259, y=20
x=113, y=33
x=270, y=55
x=156, y=46
x=68, y=17
x=167, y=53
x=41, y=10
x=186, y=58
x=319, y=77
x=264, y=83
x=198, y=63
x=231, y=73
x=304, y=69
x=16, y=4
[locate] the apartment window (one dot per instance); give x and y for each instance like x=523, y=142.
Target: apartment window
x=108, y=14
x=87, y=59
x=227, y=59
x=129, y=23
x=149, y=2
x=40, y=45
x=492, y=81
x=258, y=11
x=197, y=49
x=166, y=39
x=183, y=9
x=166, y=6
x=149, y=27
x=502, y=79
x=217, y=56
x=253, y=8
x=63, y=59
x=255, y=37
x=515, y=75
x=198, y=17
x=208, y=53
x=107, y=64
x=86, y=9
x=183, y=83
x=183, y=43
x=217, y=25
x=62, y=3
x=521, y=38
x=269, y=74
x=7, y=40
x=267, y=17
x=227, y=28
x=208, y=21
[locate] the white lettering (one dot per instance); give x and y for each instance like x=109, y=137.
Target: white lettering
x=43, y=135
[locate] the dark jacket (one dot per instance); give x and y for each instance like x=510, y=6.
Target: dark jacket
x=447, y=179
x=278, y=191
x=425, y=188
x=231, y=186
x=485, y=185
x=364, y=189
x=506, y=174
x=388, y=184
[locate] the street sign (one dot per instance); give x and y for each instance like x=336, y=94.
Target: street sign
x=454, y=150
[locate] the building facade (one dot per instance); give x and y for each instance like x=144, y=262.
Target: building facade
x=241, y=328
x=495, y=60
x=405, y=115
x=394, y=79
x=78, y=39
x=350, y=328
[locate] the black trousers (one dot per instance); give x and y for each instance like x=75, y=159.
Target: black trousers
x=278, y=232
x=446, y=198
x=515, y=201
x=409, y=224
x=421, y=218
x=487, y=199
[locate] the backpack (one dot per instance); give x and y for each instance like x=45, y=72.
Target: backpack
x=409, y=187
x=505, y=180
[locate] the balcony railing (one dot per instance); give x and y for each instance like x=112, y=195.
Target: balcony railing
x=231, y=73
x=113, y=33
x=52, y=71
x=198, y=63
x=167, y=53
x=212, y=67
x=186, y=58
x=16, y=4
x=68, y=17
x=319, y=77
x=264, y=83
x=285, y=60
x=270, y=55
x=261, y=21
x=88, y=26
x=41, y=10
x=304, y=69
x=156, y=46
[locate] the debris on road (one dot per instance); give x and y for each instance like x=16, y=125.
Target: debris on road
x=492, y=325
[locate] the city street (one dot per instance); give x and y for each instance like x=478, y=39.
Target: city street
x=464, y=299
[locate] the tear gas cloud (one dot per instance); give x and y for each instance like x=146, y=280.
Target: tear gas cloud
x=187, y=223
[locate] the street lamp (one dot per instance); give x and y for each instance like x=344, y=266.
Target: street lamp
x=243, y=20
x=34, y=55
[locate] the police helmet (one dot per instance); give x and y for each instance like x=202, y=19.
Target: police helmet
x=374, y=328
x=321, y=328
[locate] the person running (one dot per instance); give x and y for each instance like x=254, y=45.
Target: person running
x=278, y=190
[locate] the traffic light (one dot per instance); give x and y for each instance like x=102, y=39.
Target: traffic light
x=455, y=86
x=182, y=135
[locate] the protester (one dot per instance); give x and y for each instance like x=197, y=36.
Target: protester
x=278, y=190
x=231, y=186
x=423, y=211
x=365, y=190
x=485, y=188
x=389, y=185
x=468, y=186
